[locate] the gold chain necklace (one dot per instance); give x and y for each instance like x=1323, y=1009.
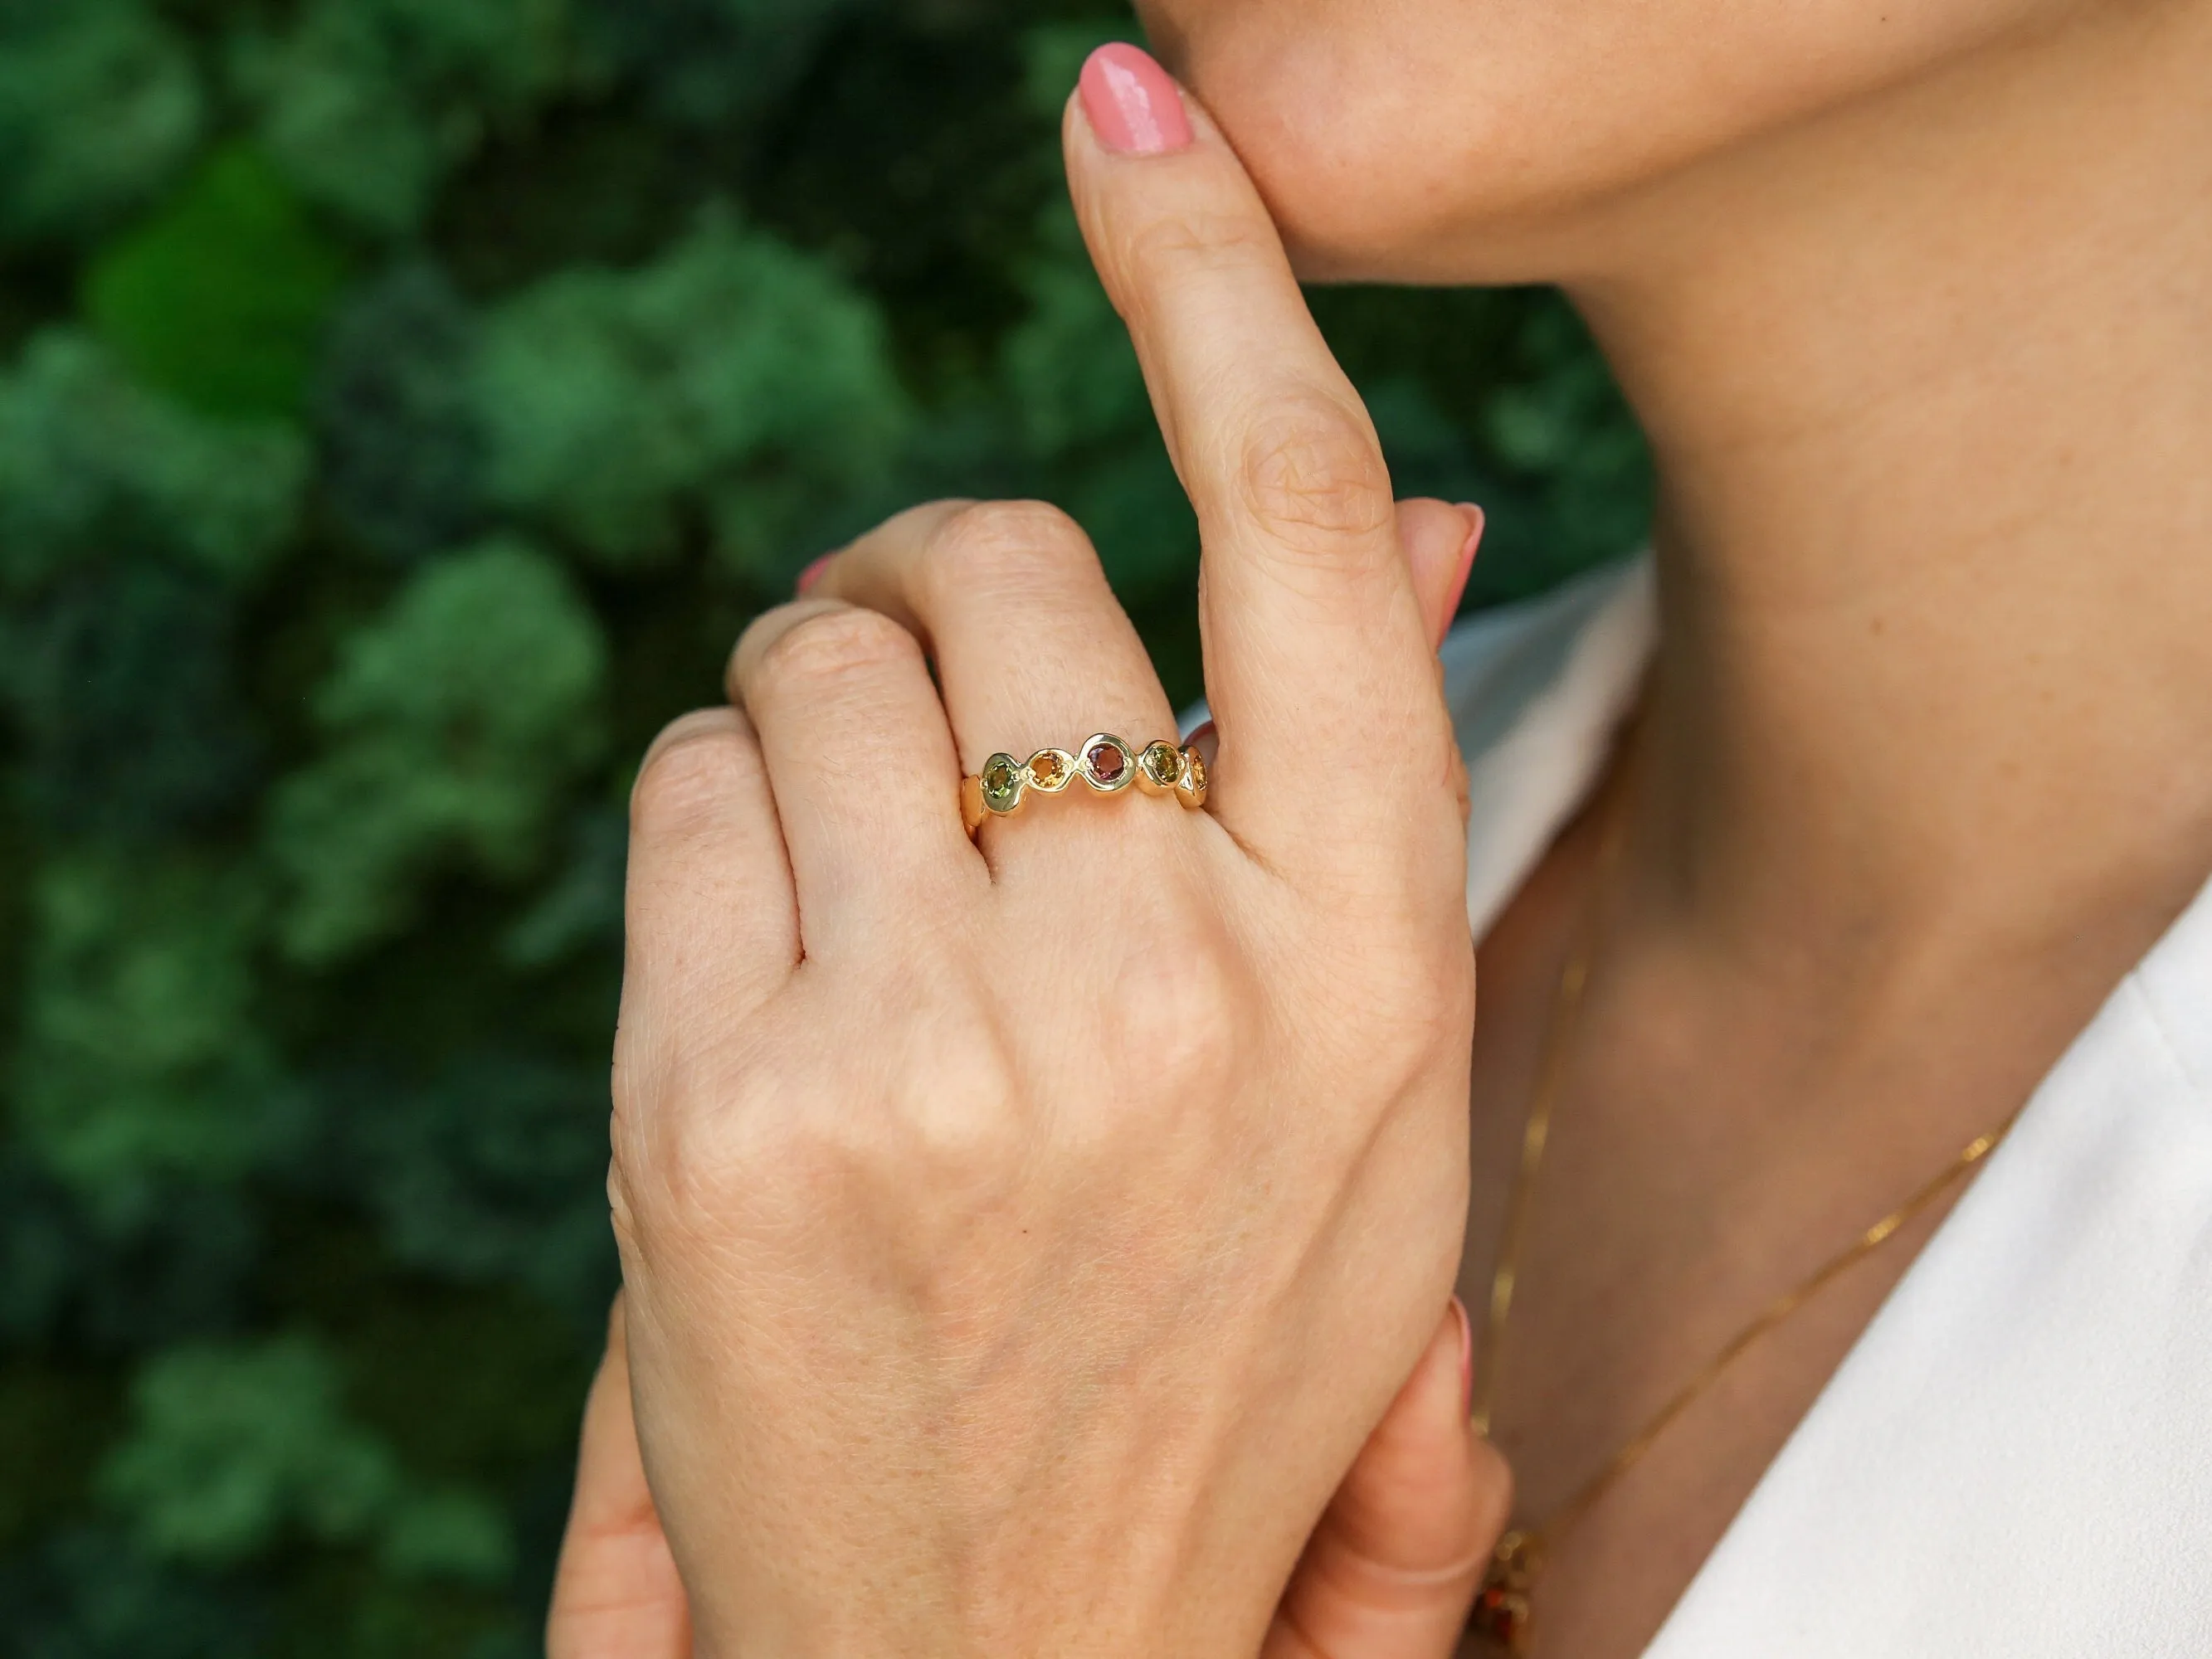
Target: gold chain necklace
x=1503, y=1608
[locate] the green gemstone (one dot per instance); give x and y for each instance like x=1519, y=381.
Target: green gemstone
x=1002, y=782
x=1162, y=764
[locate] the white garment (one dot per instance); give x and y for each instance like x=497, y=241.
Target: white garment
x=2014, y=1461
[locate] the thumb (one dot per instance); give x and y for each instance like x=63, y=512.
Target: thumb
x=1392, y=1569
x=615, y=1595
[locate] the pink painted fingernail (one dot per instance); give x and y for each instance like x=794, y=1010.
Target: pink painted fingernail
x=1466, y=1356
x=1467, y=551
x=1134, y=105
x=812, y=573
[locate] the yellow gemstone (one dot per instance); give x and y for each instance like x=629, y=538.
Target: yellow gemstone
x=1046, y=770
x=1191, y=787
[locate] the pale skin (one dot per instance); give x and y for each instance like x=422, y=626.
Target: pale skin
x=1914, y=307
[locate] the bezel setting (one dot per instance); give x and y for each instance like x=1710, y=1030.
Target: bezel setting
x=1109, y=765
x=1004, y=781
x=1190, y=787
x=1051, y=770
x=1106, y=763
x=1159, y=768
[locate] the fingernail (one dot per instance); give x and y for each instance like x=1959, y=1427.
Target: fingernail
x=812, y=573
x=1466, y=1356
x=1133, y=104
x=1467, y=550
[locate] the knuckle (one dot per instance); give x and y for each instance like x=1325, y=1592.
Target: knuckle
x=992, y=544
x=832, y=646
x=688, y=772
x=639, y=1161
x=1401, y=1005
x=629, y=1190
x=1430, y=1020
x=1159, y=252
x=952, y=1103
x=686, y=1166
x=1175, y=1021
x=960, y=1117
x=749, y=1152
x=1311, y=471
x=622, y=1207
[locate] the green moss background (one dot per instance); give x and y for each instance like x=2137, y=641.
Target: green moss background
x=404, y=405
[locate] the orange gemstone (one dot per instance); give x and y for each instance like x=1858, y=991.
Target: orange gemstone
x=1047, y=769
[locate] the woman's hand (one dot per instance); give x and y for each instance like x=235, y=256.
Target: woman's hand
x=1390, y=1571
x=1022, y=1237
x=1388, y=1574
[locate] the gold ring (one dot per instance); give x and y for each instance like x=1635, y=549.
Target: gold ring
x=1105, y=765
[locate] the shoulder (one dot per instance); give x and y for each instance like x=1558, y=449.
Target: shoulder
x=1536, y=690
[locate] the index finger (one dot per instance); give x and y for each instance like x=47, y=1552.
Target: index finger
x=1315, y=650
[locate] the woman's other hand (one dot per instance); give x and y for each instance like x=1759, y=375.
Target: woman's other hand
x=1022, y=1236
x=1388, y=1574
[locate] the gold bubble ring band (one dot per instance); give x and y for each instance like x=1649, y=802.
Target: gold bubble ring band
x=1105, y=765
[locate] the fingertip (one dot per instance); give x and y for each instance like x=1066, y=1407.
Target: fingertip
x=1463, y=564
x=1426, y=1424
x=1432, y=531
x=1440, y=539
x=1133, y=106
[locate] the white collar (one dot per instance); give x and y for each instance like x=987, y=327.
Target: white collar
x=1536, y=692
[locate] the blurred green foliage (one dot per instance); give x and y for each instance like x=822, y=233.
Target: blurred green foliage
x=219, y=300
x=405, y=403
x=463, y=768
x=100, y=105
x=731, y=386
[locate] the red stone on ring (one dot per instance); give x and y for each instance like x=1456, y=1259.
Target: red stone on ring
x=1106, y=762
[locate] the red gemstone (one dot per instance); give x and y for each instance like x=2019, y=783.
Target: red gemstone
x=1106, y=762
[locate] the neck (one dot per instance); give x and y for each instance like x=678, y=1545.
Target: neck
x=1935, y=515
